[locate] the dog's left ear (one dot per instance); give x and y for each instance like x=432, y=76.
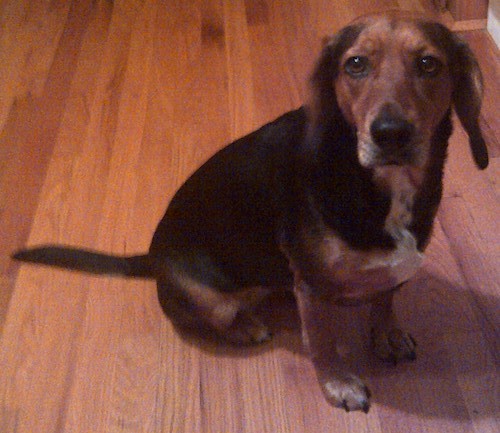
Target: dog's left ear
x=467, y=97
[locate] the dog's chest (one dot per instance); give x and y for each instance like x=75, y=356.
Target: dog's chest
x=359, y=272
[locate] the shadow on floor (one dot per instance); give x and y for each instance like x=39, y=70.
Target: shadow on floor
x=455, y=374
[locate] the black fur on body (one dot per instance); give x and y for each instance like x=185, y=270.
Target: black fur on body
x=227, y=231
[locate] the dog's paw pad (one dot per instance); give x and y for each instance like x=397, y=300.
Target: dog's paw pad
x=349, y=394
x=393, y=345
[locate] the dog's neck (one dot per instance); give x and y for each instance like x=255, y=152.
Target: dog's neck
x=359, y=203
x=402, y=184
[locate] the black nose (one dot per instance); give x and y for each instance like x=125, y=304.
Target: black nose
x=391, y=131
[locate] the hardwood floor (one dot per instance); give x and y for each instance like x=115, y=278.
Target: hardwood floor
x=105, y=109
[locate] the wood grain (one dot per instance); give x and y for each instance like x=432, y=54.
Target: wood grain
x=463, y=10
x=105, y=109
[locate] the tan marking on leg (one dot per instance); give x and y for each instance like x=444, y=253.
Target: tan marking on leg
x=227, y=313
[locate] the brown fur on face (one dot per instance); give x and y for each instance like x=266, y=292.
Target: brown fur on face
x=389, y=42
x=393, y=84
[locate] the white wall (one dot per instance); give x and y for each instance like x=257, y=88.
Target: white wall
x=493, y=20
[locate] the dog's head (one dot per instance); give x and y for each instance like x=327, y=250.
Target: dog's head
x=394, y=78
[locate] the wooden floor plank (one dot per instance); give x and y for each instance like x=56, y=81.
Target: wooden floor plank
x=107, y=107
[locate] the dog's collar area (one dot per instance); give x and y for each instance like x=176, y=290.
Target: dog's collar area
x=357, y=300
x=390, y=177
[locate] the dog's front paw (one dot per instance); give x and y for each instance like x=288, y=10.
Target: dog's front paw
x=393, y=345
x=349, y=393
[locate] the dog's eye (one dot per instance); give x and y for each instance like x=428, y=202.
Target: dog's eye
x=357, y=66
x=429, y=66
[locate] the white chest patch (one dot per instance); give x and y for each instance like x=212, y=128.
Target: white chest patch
x=361, y=271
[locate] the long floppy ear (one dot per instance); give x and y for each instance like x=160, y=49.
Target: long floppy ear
x=324, y=102
x=467, y=97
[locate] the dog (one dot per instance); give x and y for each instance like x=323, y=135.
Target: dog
x=334, y=200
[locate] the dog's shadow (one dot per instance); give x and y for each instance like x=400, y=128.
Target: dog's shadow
x=454, y=375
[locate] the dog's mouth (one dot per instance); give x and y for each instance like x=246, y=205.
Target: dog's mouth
x=395, y=162
x=413, y=153
x=371, y=155
x=398, y=160
x=390, y=139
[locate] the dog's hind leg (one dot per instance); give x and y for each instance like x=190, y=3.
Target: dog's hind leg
x=193, y=305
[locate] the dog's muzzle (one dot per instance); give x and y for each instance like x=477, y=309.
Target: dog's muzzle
x=393, y=136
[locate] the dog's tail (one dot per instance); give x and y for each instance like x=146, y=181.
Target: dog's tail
x=93, y=262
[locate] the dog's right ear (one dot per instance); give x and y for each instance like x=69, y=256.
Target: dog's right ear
x=324, y=101
x=467, y=98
